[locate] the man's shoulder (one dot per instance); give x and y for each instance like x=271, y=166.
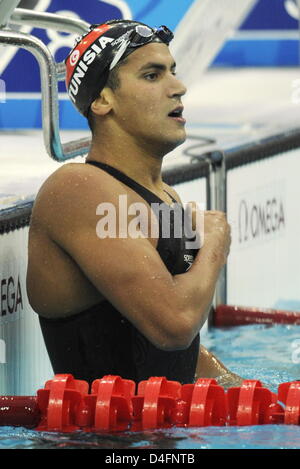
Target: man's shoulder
x=75, y=182
x=68, y=178
x=72, y=193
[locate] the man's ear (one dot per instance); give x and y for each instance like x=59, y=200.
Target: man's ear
x=103, y=104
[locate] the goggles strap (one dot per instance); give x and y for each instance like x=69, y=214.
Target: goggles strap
x=119, y=54
x=128, y=40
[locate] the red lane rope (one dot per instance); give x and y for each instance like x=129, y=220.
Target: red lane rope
x=227, y=315
x=65, y=405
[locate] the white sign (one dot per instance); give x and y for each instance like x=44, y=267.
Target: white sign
x=263, y=210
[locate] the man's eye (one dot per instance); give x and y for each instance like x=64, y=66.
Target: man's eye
x=151, y=76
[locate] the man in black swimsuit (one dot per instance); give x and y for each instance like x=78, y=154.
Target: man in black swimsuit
x=122, y=304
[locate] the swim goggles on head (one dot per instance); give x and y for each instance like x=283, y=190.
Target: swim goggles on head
x=139, y=36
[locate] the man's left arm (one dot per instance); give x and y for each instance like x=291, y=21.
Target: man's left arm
x=208, y=366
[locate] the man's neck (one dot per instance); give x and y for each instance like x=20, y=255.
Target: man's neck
x=136, y=162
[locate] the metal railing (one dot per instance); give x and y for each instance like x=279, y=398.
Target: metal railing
x=6, y=9
x=216, y=200
x=48, y=20
x=21, y=16
x=50, y=71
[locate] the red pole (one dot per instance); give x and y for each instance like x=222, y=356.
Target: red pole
x=21, y=411
x=226, y=315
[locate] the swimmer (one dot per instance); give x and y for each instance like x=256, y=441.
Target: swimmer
x=109, y=302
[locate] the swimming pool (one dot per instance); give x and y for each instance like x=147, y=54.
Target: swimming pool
x=268, y=353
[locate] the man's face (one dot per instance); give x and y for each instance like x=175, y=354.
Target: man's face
x=148, y=93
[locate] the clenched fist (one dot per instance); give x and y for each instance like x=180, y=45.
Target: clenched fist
x=214, y=229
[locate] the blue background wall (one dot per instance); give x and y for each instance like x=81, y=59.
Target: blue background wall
x=21, y=73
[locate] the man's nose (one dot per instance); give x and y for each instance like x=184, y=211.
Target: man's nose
x=177, y=88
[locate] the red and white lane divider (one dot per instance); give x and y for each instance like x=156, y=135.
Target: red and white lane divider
x=114, y=404
x=226, y=315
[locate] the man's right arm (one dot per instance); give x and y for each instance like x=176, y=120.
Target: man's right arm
x=168, y=310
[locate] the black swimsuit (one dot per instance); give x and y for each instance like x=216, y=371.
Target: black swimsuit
x=100, y=341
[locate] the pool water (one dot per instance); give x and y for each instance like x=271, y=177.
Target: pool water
x=268, y=353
